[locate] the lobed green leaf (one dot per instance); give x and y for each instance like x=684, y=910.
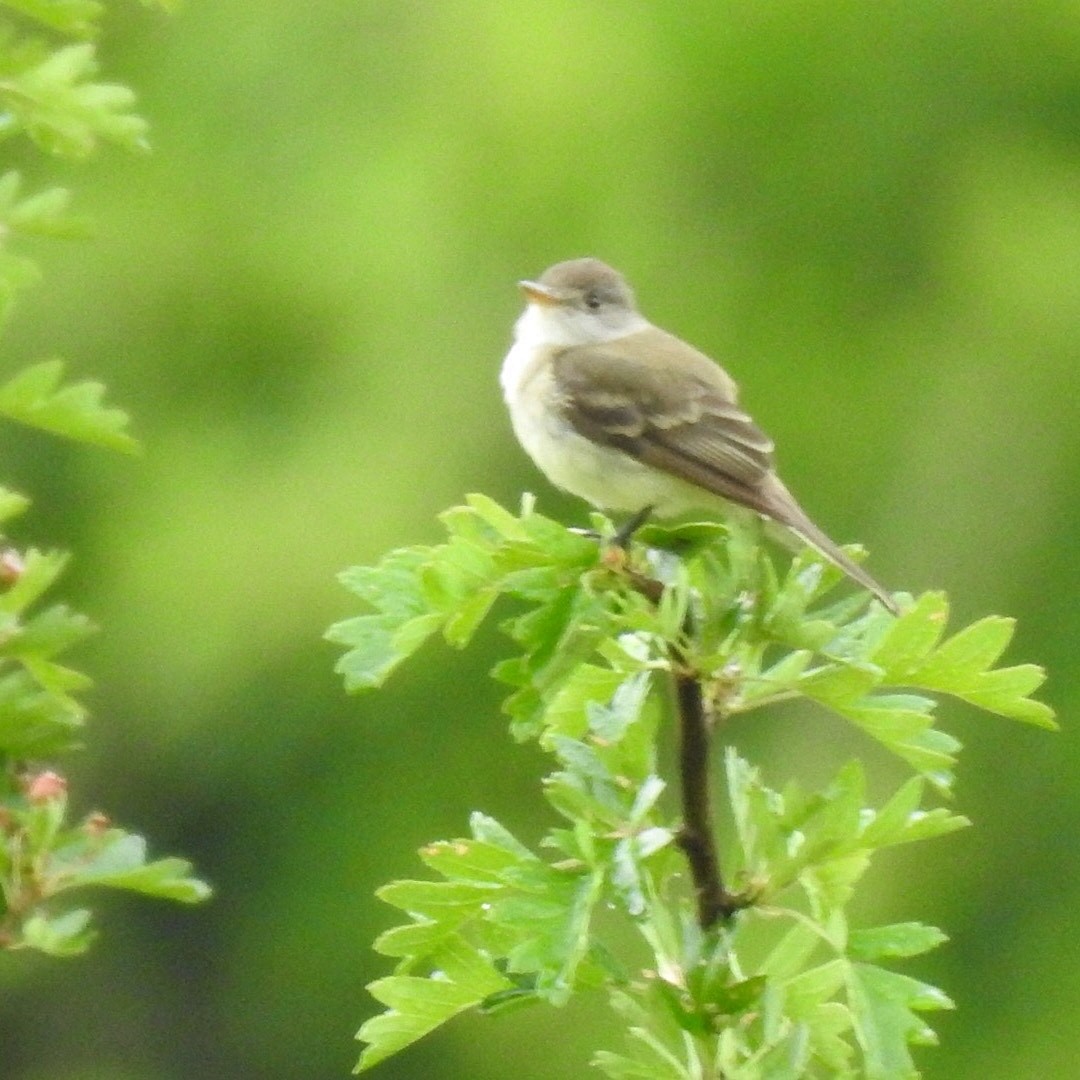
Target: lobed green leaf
x=417, y=1006
x=883, y=1006
x=36, y=398
x=56, y=101
x=899, y=939
x=68, y=934
x=119, y=860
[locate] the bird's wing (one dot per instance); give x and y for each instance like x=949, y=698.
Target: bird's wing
x=689, y=425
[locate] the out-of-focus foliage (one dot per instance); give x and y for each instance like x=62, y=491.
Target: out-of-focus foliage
x=868, y=212
x=47, y=92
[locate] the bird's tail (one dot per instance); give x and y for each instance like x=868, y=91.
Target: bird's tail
x=783, y=508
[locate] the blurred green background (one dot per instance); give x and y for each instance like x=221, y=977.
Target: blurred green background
x=869, y=211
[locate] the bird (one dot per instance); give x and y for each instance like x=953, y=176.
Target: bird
x=634, y=420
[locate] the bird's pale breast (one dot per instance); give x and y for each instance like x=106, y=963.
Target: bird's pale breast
x=605, y=477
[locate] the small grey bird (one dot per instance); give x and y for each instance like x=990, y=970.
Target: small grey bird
x=630, y=418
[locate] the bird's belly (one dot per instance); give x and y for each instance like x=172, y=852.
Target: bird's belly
x=604, y=477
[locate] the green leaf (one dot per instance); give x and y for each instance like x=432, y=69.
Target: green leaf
x=11, y=504
x=839, y=684
x=35, y=723
x=1005, y=691
x=465, y=621
x=608, y=722
x=68, y=934
x=119, y=862
x=486, y=830
x=471, y=860
x=551, y=912
x=584, y=686
x=830, y=883
x=783, y=676
x=499, y=519
x=451, y=587
x=788, y=1057
x=911, y=637
x=34, y=397
x=451, y=580
x=555, y=638
x=899, y=939
x=787, y=957
x=883, y=1006
x=43, y=213
x=974, y=649
x=415, y=939
x=962, y=667
x=39, y=571
x=403, y=621
x=166, y=879
x=499, y=900
x=648, y=1056
x=829, y=1025
x=900, y=820
x=372, y=654
x=804, y=992
x=654, y=1062
x=439, y=909
x=417, y=1006
x=437, y=900
x=51, y=631
x=908, y=732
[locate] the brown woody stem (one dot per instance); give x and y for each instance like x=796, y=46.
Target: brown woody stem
x=697, y=838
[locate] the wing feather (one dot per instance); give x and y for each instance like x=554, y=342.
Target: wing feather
x=691, y=427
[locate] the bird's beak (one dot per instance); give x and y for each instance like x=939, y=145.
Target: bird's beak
x=536, y=293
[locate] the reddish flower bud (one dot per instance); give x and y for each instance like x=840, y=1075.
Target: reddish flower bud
x=11, y=566
x=45, y=787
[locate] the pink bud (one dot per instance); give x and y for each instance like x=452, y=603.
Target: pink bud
x=11, y=566
x=46, y=787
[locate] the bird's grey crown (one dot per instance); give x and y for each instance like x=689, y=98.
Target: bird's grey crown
x=579, y=278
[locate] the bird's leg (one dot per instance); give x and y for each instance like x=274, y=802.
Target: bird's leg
x=625, y=534
x=614, y=553
x=630, y=526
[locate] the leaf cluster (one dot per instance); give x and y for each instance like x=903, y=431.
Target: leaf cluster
x=787, y=988
x=41, y=854
x=49, y=90
x=51, y=95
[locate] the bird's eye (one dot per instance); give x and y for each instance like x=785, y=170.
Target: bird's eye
x=592, y=301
